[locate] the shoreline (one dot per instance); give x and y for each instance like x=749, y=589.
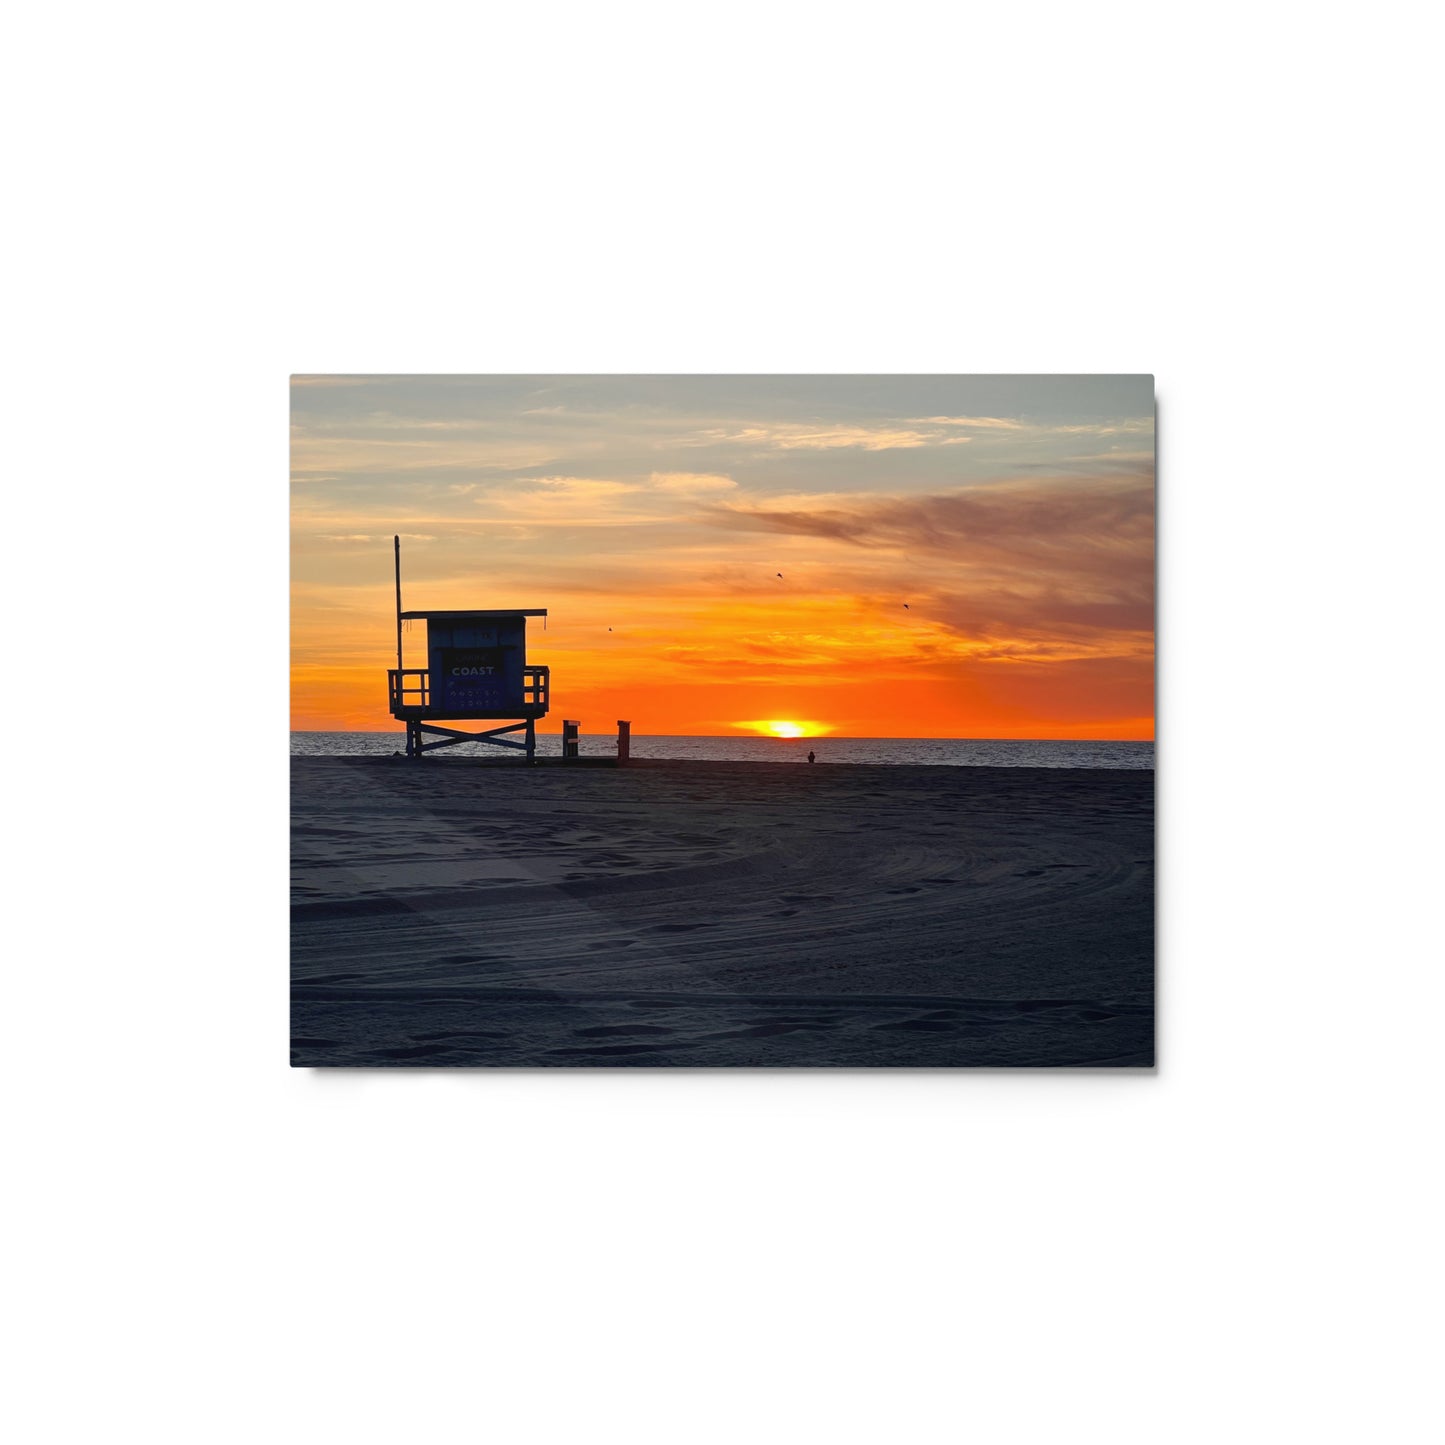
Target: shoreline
x=758, y=737
x=552, y=761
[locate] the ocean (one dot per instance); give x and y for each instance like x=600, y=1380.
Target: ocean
x=939, y=752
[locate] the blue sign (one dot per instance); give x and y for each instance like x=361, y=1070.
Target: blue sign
x=472, y=679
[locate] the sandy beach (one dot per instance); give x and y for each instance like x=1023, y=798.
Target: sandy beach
x=452, y=913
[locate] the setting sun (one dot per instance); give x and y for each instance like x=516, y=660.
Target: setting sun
x=783, y=728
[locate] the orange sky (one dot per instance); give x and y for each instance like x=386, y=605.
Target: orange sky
x=1014, y=517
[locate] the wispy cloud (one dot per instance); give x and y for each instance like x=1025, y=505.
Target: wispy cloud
x=1077, y=513
x=796, y=437
x=1130, y=425
x=409, y=456
x=571, y=500
x=580, y=488
x=390, y=421
x=374, y=536
x=690, y=484
x=1138, y=426
x=1055, y=568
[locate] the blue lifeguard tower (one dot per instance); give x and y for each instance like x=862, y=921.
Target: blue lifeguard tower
x=476, y=669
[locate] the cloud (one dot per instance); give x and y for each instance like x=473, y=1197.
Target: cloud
x=565, y=501
x=390, y=421
x=1130, y=425
x=845, y=526
x=690, y=483
x=1036, y=568
x=1076, y=511
x=399, y=457
x=796, y=437
x=1135, y=427
x=998, y=423
x=580, y=487
x=1109, y=463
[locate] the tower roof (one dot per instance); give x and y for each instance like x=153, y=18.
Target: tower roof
x=455, y=614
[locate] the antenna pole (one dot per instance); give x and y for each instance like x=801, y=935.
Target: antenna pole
x=396, y=543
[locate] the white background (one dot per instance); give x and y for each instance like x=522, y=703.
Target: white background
x=208, y=1246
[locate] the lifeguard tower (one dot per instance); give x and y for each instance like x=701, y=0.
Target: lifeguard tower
x=476, y=668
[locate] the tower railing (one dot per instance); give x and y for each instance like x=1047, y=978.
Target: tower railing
x=410, y=687
x=402, y=693
x=536, y=686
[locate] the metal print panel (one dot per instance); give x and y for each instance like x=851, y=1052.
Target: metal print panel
x=722, y=721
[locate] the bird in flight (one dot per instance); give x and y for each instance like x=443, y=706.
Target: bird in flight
x=906, y=608
x=780, y=574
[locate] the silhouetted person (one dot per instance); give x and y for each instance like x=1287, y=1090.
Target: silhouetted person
x=812, y=756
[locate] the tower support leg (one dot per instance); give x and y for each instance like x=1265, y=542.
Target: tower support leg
x=531, y=739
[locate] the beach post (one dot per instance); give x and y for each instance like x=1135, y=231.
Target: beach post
x=624, y=741
x=396, y=543
x=570, y=731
